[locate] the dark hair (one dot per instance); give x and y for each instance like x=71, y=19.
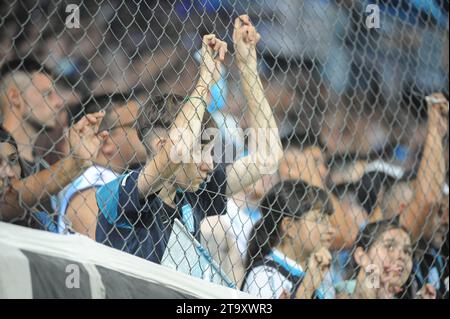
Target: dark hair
x=368, y=235
x=290, y=198
x=161, y=111
x=96, y=103
x=27, y=65
x=369, y=186
x=5, y=137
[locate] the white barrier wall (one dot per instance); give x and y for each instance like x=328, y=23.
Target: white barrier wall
x=38, y=264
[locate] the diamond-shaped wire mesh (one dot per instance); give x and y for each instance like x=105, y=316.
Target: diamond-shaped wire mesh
x=346, y=196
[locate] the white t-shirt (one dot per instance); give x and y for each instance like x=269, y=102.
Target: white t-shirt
x=267, y=283
x=239, y=222
x=94, y=176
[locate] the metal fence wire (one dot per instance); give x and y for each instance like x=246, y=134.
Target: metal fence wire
x=289, y=149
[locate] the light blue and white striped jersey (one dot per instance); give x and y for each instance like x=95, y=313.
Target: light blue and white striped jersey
x=94, y=176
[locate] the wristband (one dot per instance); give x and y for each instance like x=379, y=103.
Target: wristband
x=200, y=98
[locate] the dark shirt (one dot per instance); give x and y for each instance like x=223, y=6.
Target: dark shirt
x=143, y=227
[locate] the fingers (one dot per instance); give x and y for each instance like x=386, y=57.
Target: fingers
x=103, y=135
x=216, y=46
x=427, y=292
x=245, y=19
x=430, y=291
x=319, y=258
x=285, y=295
x=439, y=101
x=323, y=258
x=222, y=52
x=208, y=38
x=89, y=119
x=244, y=29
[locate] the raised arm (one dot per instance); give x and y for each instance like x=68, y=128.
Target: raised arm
x=85, y=142
x=265, y=156
x=187, y=126
x=431, y=173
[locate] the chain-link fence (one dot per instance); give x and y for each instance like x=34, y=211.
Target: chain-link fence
x=298, y=150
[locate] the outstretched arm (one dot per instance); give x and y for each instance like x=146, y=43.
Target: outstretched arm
x=85, y=142
x=431, y=173
x=187, y=125
x=265, y=156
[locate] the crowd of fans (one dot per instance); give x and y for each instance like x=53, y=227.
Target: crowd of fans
x=344, y=196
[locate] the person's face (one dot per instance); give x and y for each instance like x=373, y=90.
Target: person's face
x=310, y=232
x=392, y=249
x=436, y=229
x=190, y=176
x=9, y=169
x=42, y=102
x=9, y=164
x=308, y=165
x=127, y=148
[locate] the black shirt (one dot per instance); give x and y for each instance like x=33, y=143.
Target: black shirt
x=143, y=227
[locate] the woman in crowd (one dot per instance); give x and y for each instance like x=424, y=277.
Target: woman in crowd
x=382, y=264
x=294, y=234
x=9, y=169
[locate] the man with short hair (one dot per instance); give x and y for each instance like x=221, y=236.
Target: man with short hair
x=29, y=104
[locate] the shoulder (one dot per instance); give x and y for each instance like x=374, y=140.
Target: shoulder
x=120, y=183
x=266, y=282
x=94, y=176
x=97, y=174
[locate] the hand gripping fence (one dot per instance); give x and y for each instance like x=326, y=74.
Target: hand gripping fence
x=305, y=156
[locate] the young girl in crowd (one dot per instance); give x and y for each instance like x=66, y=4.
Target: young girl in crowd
x=383, y=262
x=288, y=253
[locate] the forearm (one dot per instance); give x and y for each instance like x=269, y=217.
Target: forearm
x=182, y=137
x=431, y=173
x=49, y=181
x=260, y=113
x=427, y=186
x=258, y=106
x=306, y=289
x=190, y=117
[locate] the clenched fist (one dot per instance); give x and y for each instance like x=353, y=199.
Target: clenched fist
x=212, y=55
x=245, y=38
x=85, y=139
x=438, y=113
x=319, y=264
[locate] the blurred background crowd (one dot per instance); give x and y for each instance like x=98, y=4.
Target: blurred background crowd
x=349, y=101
